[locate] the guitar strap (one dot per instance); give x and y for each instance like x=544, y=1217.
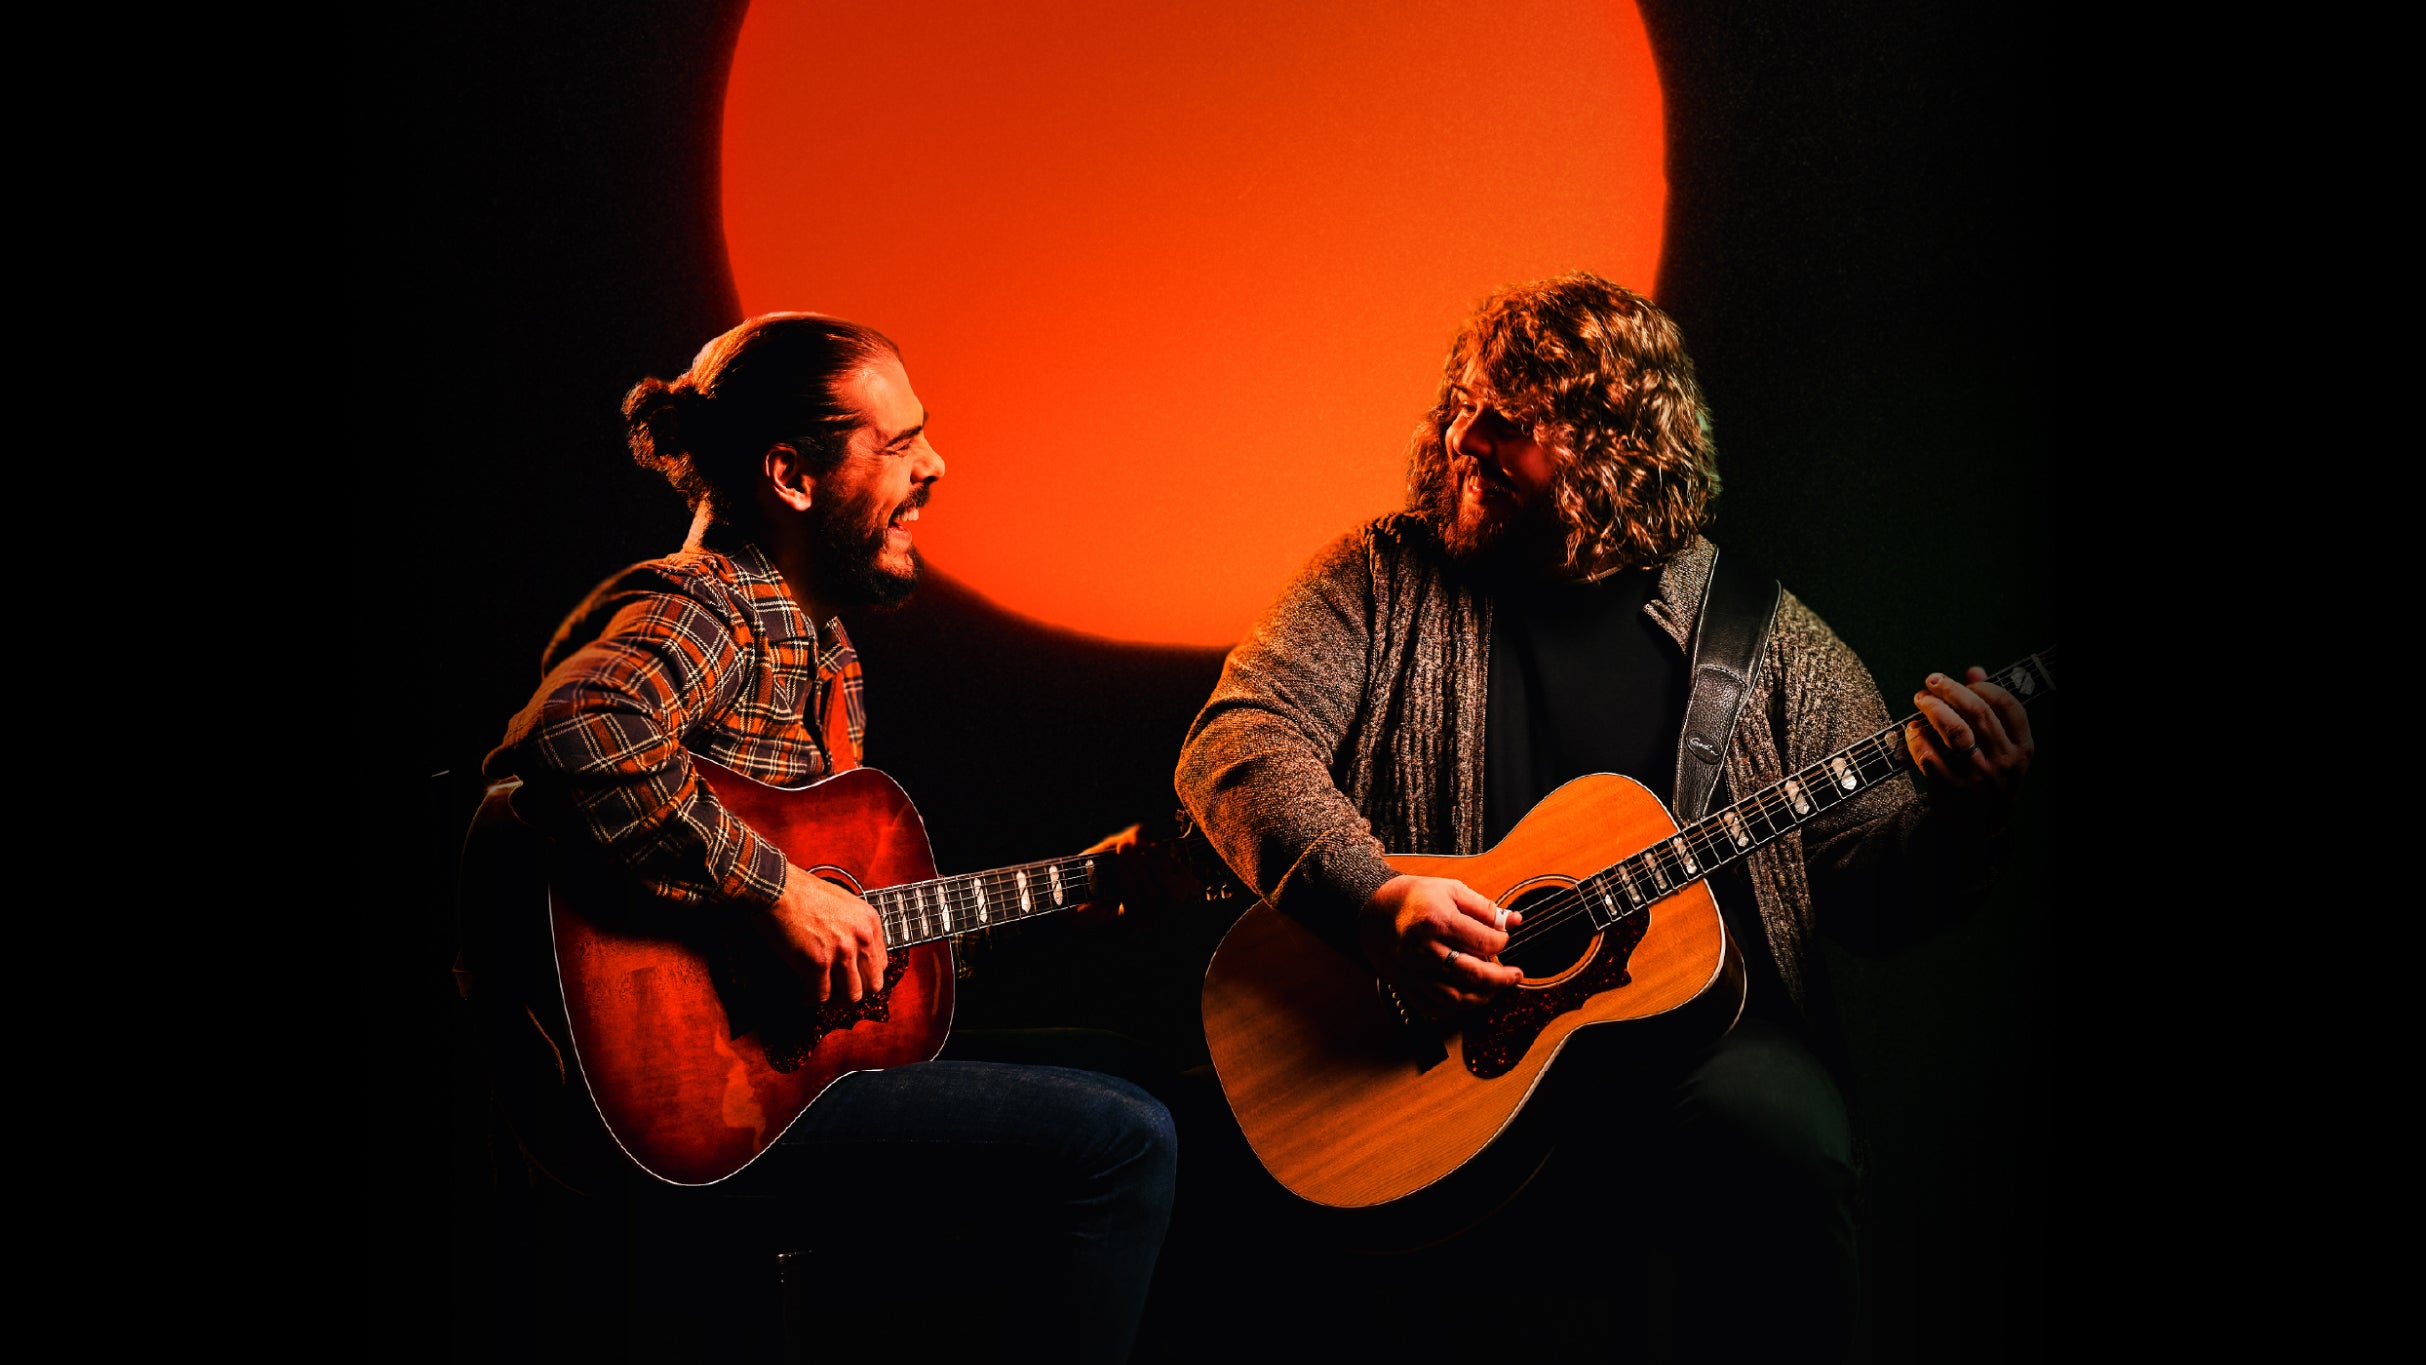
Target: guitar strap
x=1738, y=604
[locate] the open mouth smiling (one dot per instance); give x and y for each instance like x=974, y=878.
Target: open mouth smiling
x=897, y=526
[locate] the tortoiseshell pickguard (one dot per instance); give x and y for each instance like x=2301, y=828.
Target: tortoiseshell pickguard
x=1497, y=1041
x=791, y=1037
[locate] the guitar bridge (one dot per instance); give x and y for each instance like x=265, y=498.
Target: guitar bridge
x=1423, y=1041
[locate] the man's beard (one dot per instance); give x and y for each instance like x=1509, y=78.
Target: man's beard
x=847, y=555
x=1524, y=544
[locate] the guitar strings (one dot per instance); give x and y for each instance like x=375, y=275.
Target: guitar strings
x=958, y=906
x=1558, y=908
x=1885, y=745
x=961, y=897
x=958, y=898
x=1771, y=805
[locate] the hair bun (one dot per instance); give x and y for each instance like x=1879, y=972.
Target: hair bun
x=769, y=380
x=656, y=419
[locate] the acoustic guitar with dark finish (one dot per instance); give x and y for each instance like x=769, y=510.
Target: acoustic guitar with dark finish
x=698, y=1048
x=1353, y=1102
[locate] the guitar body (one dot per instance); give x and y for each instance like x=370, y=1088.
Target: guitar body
x=1352, y=1106
x=698, y=1048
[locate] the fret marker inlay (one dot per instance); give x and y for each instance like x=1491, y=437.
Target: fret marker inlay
x=1648, y=876
x=1053, y=875
x=1022, y=878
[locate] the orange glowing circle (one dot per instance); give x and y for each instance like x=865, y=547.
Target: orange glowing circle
x=1176, y=283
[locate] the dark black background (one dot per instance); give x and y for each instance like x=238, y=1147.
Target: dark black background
x=1860, y=251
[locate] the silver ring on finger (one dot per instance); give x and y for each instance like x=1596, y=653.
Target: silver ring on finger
x=1451, y=959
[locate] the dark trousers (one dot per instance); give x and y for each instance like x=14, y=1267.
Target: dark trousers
x=970, y=1206
x=1693, y=1211
x=1739, y=1176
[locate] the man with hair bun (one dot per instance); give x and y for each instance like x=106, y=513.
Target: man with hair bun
x=1532, y=617
x=804, y=455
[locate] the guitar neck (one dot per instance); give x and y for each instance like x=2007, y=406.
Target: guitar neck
x=1717, y=839
x=920, y=912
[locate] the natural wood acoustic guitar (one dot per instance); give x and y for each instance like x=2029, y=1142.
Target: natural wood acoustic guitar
x=1353, y=1102
x=697, y=1047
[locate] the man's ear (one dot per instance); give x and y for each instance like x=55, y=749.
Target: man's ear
x=789, y=478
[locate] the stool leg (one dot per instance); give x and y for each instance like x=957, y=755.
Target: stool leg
x=794, y=1272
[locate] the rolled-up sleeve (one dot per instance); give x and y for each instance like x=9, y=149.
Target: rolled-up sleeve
x=600, y=750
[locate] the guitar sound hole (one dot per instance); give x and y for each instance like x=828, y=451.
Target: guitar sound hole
x=1556, y=935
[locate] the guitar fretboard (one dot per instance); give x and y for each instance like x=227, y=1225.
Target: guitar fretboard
x=1712, y=842
x=917, y=912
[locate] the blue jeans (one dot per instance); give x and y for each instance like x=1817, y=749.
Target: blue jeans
x=973, y=1206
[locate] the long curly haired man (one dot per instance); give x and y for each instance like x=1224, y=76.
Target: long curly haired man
x=1528, y=626
x=1599, y=376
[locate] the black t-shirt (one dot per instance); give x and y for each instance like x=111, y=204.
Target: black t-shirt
x=1583, y=682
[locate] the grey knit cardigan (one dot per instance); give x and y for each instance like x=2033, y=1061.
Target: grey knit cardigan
x=1350, y=720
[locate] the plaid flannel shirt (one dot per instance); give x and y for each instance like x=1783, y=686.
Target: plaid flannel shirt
x=700, y=651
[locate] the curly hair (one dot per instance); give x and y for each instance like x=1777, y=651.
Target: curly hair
x=1601, y=377
x=767, y=382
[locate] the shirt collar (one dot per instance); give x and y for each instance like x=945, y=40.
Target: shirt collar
x=782, y=617
x=1678, y=598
